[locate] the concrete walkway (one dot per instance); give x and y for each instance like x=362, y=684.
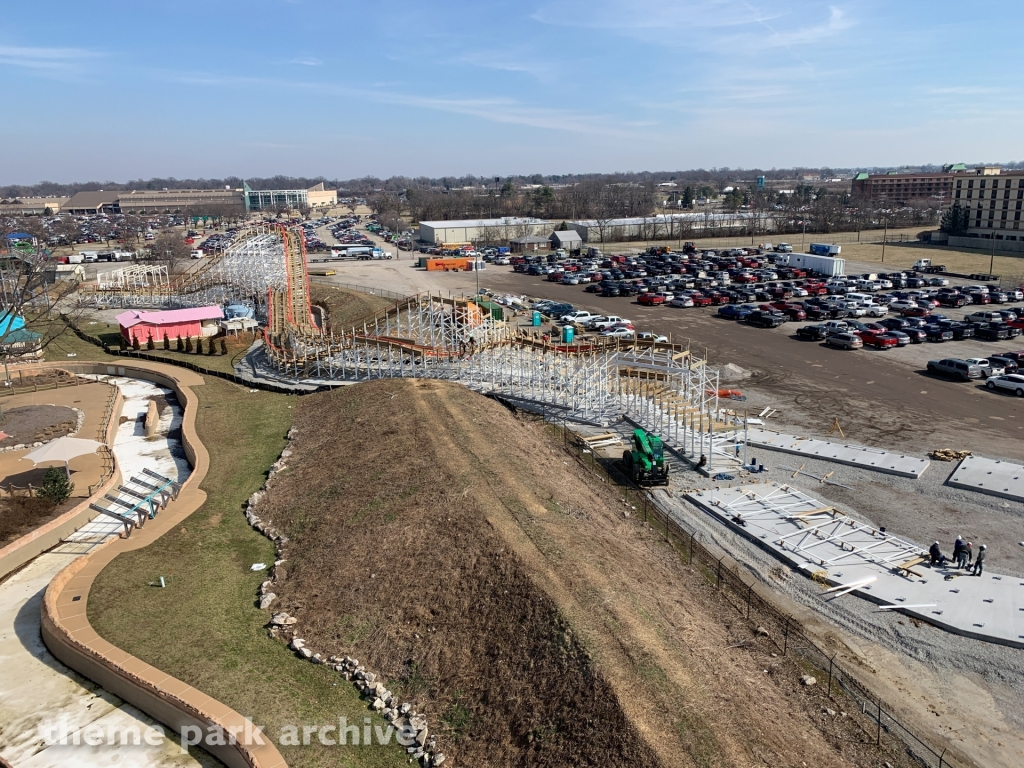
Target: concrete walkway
x=36, y=690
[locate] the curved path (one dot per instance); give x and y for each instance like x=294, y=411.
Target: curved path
x=71, y=639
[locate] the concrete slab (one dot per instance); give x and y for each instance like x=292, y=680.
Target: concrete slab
x=36, y=690
x=842, y=453
x=818, y=540
x=998, y=478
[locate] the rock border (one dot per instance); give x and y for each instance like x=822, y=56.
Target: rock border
x=282, y=626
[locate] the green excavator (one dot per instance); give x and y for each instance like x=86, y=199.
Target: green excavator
x=645, y=464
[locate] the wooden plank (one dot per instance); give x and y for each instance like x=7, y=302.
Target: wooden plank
x=810, y=512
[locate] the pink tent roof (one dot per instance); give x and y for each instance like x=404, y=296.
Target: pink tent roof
x=170, y=316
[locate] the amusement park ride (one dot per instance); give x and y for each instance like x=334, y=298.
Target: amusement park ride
x=661, y=387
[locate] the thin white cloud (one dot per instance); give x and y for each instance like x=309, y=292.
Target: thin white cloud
x=963, y=90
x=497, y=109
x=507, y=60
x=837, y=22
x=631, y=15
x=307, y=62
x=43, y=58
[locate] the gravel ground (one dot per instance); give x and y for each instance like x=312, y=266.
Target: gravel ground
x=941, y=513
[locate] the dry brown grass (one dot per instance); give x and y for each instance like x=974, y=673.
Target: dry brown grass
x=346, y=307
x=496, y=583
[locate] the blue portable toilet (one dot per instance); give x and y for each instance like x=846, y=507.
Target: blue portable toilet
x=536, y=317
x=567, y=334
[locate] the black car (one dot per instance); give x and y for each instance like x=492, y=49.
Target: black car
x=917, y=335
x=1009, y=363
x=764, y=319
x=812, y=333
x=960, y=331
x=986, y=332
x=1012, y=331
x=953, y=300
x=894, y=323
x=937, y=333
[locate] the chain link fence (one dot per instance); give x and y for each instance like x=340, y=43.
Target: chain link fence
x=752, y=601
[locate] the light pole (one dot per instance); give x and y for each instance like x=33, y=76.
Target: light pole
x=992, y=256
x=885, y=232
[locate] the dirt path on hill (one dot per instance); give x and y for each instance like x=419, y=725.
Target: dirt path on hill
x=466, y=557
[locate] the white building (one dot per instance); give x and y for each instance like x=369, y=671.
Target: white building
x=665, y=226
x=482, y=230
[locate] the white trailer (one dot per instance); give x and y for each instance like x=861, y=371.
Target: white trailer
x=824, y=265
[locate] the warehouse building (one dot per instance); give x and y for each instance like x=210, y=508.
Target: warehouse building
x=148, y=201
x=32, y=206
x=664, y=227
x=91, y=203
x=568, y=239
x=482, y=231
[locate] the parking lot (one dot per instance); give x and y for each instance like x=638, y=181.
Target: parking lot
x=881, y=397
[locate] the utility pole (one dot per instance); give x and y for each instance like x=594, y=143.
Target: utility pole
x=992, y=257
x=885, y=232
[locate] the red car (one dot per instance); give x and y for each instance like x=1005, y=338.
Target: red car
x=915, y=312
x=699, y=299
x=877, y=339
x=651, y=299
x=792, y=311
x=716, y=298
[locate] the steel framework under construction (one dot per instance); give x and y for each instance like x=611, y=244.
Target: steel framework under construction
x=241, y=273
x=659, y=386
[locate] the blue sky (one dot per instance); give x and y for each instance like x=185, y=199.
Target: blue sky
x=118, y=90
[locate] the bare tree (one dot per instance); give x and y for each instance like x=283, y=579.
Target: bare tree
x=171, y=247
x=36, y=310
x=130, y=230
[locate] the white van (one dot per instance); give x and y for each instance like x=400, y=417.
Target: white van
x=863, y=298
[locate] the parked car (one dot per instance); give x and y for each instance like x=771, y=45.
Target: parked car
x=990, y=332
x=765, y=319
x=989, y=367
x=1009, y=364
x=681, y=301
x=902, y=339
x=960, y=370
x=1011, y=382
x=649, y=336
x=652, y=299
x=845, y=340
x=812, y=333
x=878, y=339
x=619, y=332
x=734, y=312
x=937, y=333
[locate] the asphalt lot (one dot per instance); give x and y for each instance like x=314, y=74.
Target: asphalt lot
x=883, y=398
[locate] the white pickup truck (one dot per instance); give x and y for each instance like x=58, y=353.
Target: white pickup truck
x=601, y=323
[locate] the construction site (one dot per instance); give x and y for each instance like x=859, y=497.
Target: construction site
x=548, y=552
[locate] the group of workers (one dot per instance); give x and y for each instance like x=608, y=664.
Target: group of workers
x=963, y=556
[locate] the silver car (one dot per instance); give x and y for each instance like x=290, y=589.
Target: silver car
x=1011, y=382
x=989, y=368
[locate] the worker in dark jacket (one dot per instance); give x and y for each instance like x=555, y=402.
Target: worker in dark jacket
x=958, y=546
x=979, y=563
x=936, y=555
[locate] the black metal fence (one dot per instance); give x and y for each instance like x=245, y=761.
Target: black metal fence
x=754, y=603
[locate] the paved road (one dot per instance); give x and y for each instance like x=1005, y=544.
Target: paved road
x=880, y=398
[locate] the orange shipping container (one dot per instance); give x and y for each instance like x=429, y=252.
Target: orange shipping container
x=434, y=265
